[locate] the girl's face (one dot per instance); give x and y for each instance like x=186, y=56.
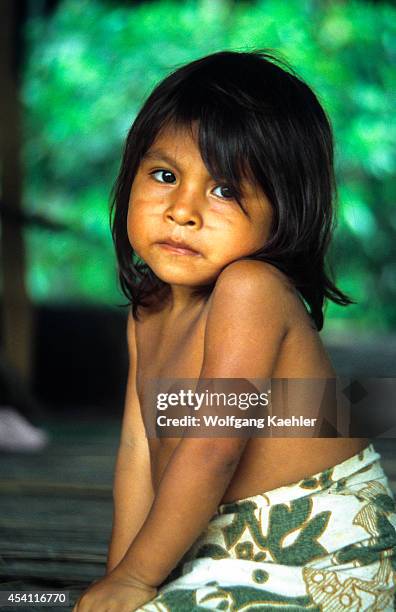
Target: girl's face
x=173, y=197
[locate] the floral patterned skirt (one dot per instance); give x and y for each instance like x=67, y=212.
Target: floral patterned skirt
x=327, y=542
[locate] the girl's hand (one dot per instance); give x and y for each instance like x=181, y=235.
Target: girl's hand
x=115, y=593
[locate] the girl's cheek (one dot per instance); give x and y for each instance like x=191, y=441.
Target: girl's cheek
x=131, y=225
x=134, y=242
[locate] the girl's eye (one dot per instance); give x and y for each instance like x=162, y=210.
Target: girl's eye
x=168, y=177
x=226, y=192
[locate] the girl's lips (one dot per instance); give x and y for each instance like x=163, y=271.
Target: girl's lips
x=179, y=250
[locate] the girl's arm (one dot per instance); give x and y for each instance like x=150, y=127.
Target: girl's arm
x=245, y=329
x=132, y=489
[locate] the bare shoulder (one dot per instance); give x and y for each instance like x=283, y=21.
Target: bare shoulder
x=130, y=324
x=131, y=333
x=258, y=284
x=248, y=274
x=248, y=320
x=252, y=267
x=257, y=326
x=133, y=433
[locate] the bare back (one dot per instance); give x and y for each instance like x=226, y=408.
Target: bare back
x=174, y=348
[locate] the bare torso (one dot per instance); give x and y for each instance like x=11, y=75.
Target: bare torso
x=173, y=348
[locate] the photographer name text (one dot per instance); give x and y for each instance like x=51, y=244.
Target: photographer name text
x=235, y=422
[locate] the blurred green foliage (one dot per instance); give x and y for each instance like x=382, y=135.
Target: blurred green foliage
x=91, y=64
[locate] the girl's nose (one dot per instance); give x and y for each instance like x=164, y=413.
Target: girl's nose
x=183, y=213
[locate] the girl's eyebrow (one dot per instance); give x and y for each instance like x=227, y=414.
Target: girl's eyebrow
x=160, y=155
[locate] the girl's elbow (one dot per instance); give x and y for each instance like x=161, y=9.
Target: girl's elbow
x=223, y=454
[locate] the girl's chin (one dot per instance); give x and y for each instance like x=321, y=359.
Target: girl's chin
x=177, y=279
x=172, y=276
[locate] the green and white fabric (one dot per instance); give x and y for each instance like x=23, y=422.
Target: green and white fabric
x=325, y=543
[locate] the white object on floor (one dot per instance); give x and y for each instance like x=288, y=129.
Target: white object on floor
x=17, y=434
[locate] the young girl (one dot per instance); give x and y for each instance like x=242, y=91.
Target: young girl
x=221, y=219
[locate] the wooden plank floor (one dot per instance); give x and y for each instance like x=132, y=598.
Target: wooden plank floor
x=56, y=508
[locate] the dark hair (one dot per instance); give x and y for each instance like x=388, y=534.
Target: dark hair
x=256, y=118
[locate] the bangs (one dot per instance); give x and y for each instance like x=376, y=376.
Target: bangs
x=222, y=135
